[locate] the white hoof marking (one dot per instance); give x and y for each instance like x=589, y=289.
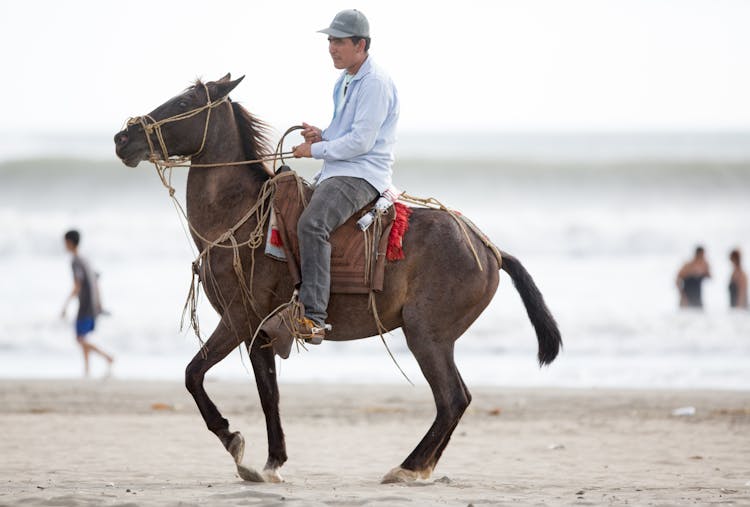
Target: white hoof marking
x=272, y=475
x=399, y=474
x=248, y=474
x=237, y=448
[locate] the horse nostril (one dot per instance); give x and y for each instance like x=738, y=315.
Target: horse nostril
x=121, y=139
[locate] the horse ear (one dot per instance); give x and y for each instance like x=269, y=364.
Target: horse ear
x=221, y=88
x=224, y=79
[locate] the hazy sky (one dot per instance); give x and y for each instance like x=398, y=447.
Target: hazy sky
x=508, y=65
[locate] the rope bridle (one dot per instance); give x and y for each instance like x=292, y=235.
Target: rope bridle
x=164, y=163
x=154, y=127
x=164, y=160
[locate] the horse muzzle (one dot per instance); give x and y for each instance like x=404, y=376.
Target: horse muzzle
x=128, y=149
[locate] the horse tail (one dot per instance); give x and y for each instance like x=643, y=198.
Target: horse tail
x=547, y=332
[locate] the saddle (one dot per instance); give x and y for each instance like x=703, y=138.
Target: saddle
x=357, y=257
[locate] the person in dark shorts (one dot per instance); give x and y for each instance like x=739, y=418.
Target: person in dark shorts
x=690, y=278
x=737, y=282
x=86, y=290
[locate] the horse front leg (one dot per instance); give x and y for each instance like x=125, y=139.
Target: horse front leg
x=264, y=368
x=222, y=341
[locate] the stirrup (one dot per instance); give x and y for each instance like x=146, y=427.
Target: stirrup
x=317, y=334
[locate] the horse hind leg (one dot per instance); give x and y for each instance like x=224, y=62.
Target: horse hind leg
x=216, y=348
x=264, y=368
x=435, y=359
x=444, y=444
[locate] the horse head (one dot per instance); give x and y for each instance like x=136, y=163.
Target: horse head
x=178, y=127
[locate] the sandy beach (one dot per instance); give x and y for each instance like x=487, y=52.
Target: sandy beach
x=113, y=442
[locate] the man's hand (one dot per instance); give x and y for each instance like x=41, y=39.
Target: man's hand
x=302, y=151
x=311, y=134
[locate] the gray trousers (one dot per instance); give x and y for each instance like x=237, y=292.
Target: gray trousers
x=333, y=202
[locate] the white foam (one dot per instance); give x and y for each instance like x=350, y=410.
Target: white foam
x=603, y=251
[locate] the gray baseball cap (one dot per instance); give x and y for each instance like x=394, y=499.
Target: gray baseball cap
x=348, y=23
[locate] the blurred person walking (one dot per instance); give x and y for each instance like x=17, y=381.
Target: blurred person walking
x=85, y=288
x=737, y=282
x=690, y=278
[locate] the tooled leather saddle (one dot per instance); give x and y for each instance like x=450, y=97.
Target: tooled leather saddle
x=357, y=258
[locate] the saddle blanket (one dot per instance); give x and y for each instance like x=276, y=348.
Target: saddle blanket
x=358, y=257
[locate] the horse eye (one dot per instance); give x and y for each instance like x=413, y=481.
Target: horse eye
x=183, y=104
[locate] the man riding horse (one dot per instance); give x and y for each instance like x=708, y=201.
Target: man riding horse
x=449, y=275
x=357, y=153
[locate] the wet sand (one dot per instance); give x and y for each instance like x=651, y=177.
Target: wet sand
x=86, y=443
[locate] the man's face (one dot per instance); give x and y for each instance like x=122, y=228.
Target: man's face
x=343, y=52
x=69, y=246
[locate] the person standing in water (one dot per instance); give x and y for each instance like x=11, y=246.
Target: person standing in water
x=737, y=282
x=690, y=277
x=86, y=290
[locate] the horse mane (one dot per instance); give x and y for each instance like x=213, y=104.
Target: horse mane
x=254, y=134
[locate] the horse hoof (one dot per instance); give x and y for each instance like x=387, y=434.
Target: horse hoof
x=272, y=475
x=248, y=474
x=399, y=474
x=236, y=447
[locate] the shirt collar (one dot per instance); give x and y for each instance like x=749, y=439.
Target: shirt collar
x=363, y=70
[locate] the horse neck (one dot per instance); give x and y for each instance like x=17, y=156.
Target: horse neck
x=217, y=197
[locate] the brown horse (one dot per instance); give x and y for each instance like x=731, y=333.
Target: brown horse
x=434, y=294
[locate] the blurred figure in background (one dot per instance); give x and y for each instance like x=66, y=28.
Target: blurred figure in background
x=690, y=278
x=85, y=288
x=737, y=282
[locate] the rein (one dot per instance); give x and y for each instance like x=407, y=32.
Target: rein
x=260, y=210
x=164, y=161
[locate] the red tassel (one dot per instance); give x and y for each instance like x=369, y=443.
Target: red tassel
x=276, y=238
x=395, y=249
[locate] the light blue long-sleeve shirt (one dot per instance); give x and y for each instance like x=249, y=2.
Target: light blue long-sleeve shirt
x=360, y=140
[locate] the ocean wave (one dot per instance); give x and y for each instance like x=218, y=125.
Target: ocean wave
x=575, y=147
x=603, y=241
x=498, y=169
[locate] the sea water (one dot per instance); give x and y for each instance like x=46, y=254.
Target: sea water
x=602, y=223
